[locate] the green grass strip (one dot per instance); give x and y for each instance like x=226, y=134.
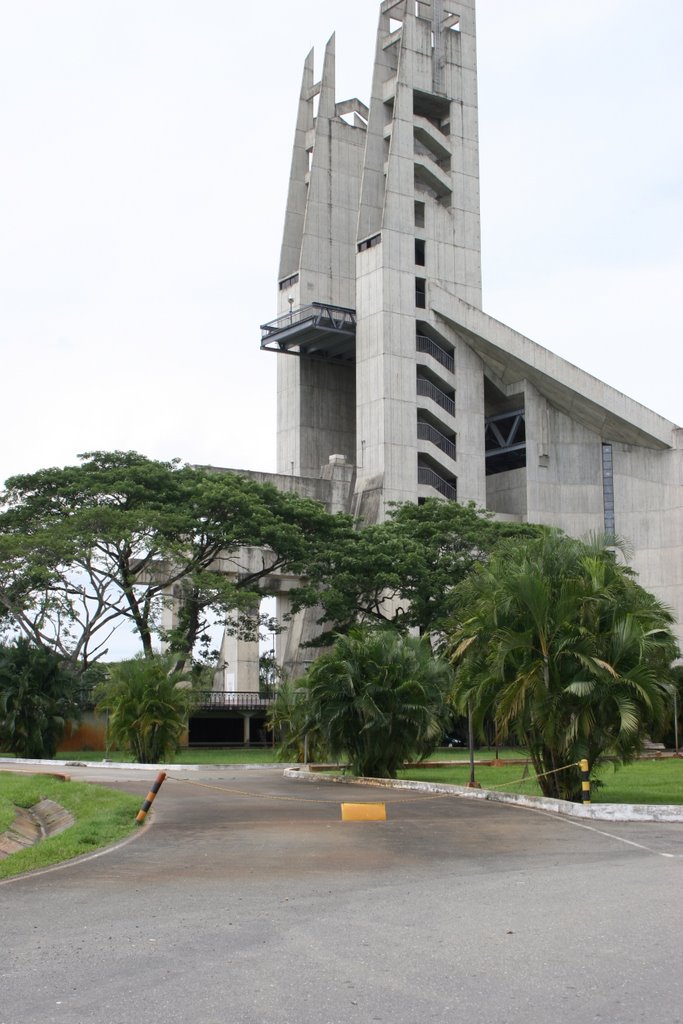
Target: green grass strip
x=262, y=755
x=6, y=813
x=658, y=781
x=103, y=816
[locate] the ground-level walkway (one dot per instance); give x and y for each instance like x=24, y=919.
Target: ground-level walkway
x=249, y=901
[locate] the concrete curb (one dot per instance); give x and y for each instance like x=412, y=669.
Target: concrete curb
x=9, y=761
x=595, y=812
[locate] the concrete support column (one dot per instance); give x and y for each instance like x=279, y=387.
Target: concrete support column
x=170, y=609
x=238, y=665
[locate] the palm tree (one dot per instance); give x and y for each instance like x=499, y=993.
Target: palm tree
x=147, y=710
x=378, y=698
x=37, y=698
x=288, y=719
x=559, y=644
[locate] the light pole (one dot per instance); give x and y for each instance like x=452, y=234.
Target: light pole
x=300, y=691
x=472, y=784
x=676, y=723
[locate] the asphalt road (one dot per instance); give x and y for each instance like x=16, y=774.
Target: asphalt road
x=247, y=900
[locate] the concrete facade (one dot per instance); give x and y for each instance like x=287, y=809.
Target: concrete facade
x=419, y=390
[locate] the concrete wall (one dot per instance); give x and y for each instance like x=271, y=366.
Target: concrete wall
x=316, y=402
x=649, y=516
x=87, y=734
x=506, y=494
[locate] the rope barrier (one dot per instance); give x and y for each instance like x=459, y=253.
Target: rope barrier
x=527, y=778
x=248, y=793
x=290, y=799
x=583, y=765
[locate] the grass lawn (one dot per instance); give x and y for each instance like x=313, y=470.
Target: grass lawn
x=659, y=781
x=258, y=755
x=6, y=813
x=103, y=816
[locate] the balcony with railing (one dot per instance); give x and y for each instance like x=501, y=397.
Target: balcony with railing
x=203, y=700
x=427, y=432
x=436, y=351
x=428, y=389
x=222, y=700
x=317, y=329
x=430, y=478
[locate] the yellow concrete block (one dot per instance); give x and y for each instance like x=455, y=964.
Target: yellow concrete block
x=364, y=812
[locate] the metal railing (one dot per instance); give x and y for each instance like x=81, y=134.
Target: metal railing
x=429, y=390
x=221, y=700
x=426, y=432
x=432, y=479
x=337, y=318
x=432, y=348
x=204, y=700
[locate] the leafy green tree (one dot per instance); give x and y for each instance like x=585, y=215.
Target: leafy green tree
x=147, y=710
x=558, y=644
x=85, y=547
x=37, y=698
x=402, y=572
x=378, y=698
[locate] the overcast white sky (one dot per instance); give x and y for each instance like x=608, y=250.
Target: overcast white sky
x=145, y=157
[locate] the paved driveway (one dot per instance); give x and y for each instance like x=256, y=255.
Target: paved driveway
x=249, y=901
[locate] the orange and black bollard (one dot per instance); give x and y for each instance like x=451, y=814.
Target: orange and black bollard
x=585, y=781
x=142, y=813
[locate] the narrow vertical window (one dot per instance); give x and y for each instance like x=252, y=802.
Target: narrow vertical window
x=420, y=292
x=419, y=252
x=608, y=488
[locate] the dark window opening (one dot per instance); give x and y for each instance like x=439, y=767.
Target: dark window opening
x=437, y=109
x=504, y=462
x=432, y=475
x=442, y=438
x=438, y=350
x=421, y=292
x=505, y=442
x=419, y=252
x=419, y=215
x=287, y=282
x=217, y=730
x=428, y=388
x=220, y=730
x=369, y=243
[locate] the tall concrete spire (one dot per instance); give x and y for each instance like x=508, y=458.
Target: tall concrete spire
x=290, y=252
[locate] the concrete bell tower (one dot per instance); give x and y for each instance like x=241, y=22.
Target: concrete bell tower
x=383, y=201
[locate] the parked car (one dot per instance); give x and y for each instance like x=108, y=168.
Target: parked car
x=452, y=741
